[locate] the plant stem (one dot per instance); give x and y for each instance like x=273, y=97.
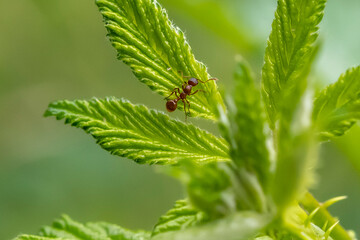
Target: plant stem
x=323, y=217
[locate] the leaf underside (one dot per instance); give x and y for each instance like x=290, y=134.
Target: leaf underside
x=156, y=50
x=134, y=132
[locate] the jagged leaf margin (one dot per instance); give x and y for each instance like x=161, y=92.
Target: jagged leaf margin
x=337, y=108
x=181, y=216
x=140, y=134
x=156, y=50
x=288, y=54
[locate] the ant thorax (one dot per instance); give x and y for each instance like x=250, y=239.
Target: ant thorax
x=183, y=95
x=187, y=89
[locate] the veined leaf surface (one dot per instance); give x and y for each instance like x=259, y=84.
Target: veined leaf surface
x=288, y=53
x=140, y=134
x=156, y=50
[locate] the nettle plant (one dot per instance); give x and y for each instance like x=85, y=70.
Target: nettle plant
x=252, y=183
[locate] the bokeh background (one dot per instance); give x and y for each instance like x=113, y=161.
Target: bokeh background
x=51, y=50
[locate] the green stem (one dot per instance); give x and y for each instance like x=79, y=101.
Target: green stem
x=322, y=217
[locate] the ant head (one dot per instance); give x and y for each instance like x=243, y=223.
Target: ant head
x=193, y=82
x=171, y=105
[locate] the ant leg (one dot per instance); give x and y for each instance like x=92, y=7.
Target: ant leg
x=200, y=90
x=172, y=92
x=211, y=79
x=185, y=109
x=178, y=89
x=188, y=106
x=184, y=85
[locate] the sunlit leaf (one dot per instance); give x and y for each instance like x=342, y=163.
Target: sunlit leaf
x=288, y=53
x=140, y=134
x=156, y=50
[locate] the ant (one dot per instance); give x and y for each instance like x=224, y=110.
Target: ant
x=171, y=104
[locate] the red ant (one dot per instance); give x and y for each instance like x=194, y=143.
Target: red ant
x=171, y=104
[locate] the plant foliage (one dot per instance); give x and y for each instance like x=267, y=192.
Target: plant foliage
x=140, y=134
x=337, y=108
x=288, y=54
x=254, y=183
x=156, y=50
x=180, y=217
x=68, y=229
x=244, y=125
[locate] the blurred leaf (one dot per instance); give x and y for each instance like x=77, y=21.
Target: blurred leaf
x=348, y=145
x=150, y=44
x=67, y=229
x=178, y=218
x=337, y=108
x=208, y=187
x=288, y=53
x=296, y=156
x=31, y=237
x=243, y=127
x=214, y=15
x=240, y=226
x=134, y=132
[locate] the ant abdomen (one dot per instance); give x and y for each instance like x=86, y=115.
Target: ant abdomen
x=171, y=105
x=186, y=88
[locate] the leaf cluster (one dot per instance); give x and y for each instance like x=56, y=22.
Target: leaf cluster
x=251, y=183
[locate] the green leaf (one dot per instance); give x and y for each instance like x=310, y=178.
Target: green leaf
x=297, y=154
x=31, y=237
x=239, y=226
x=178, y=218
x=150, y=44
x=134, y=132
x=208, y=187
x=244, y=125
x=68, y=229
x=337, y=108
x=288, y=54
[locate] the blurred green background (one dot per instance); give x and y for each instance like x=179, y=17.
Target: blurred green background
x=51, y=50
